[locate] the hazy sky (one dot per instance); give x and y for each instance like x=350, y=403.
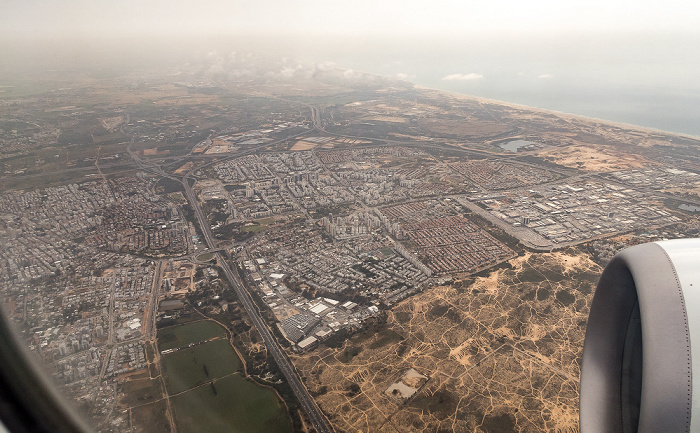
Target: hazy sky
x=626, y=60
x=94, y=17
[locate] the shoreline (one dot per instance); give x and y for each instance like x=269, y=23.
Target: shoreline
x=563, y=114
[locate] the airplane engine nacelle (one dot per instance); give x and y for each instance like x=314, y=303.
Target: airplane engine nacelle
x=644, y=324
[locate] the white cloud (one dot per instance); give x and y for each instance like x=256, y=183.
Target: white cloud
x=404, y=76
x=241, y=72
x=351, y=74
x=216, y=69
x=325, y=66
x=463, y=77
x=320, y=68
x=289, y=71
x=546, y=76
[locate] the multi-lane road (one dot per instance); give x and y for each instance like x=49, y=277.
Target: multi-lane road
x=307, y=403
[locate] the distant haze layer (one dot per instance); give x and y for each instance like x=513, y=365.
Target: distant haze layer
x=645, y=79
x=641, y=79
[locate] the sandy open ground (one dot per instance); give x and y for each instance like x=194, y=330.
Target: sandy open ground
x=593, y=158
x=502, y=353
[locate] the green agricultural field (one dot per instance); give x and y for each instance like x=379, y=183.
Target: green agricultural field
x=258, y=225
x=151, y=417
x=173, y=337
x=140, y=391
x=32, y=182
x=231, y=404
x=187, y=368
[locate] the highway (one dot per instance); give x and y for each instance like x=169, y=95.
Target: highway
x=316, y=118
x=307, y=403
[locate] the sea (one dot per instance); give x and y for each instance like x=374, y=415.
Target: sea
x=644, y=79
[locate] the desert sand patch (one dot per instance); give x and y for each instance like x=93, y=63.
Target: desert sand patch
x=303, y=145
x=593, y=158
x=682, y=190
x=390, y=119
x=184, y=168
x=502, y=354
